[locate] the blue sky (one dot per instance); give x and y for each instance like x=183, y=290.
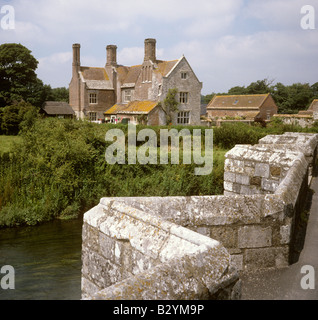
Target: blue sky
x=228, y=42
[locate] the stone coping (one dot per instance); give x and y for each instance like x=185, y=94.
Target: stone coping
x=191, y=266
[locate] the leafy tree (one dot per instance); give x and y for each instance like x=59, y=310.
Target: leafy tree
x=59, y=94
x=314, y=89
x=15, y=116
x=259, y=87
x=280, y=95
x=237, y=90
x=170, y=104
x=207, y=98
x=292, y=98
x=18, y=80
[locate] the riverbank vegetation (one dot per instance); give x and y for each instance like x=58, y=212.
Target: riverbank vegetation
x=56, y=168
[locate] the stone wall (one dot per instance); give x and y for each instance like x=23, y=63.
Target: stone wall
x=131, y=254
x=127, y=241
x=303, y=120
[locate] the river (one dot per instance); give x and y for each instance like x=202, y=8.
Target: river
x=46, y=260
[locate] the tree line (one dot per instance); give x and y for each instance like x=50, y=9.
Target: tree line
x=289, y=98
x=22, y=93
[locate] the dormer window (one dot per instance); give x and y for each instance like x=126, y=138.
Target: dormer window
x=127, y=95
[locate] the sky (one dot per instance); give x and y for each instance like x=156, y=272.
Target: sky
x=227, y=43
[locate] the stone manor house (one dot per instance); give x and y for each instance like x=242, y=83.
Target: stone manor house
x=116, y=92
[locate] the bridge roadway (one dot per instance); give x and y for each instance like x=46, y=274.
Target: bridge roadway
x=285, y=284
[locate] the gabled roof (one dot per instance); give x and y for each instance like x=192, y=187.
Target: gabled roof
x=132, y=75
x=164, y=67
x=57, y=108
x=183, y=58
x=128, y=76
x=134, y=107
x=313, y=105
x=253, y=101
x=96, y=78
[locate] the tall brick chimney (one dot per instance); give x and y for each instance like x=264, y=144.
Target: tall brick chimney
x=111, y=55
x=150, y=50
x=76, y=58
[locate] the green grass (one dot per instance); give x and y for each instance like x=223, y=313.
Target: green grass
x=7, y=143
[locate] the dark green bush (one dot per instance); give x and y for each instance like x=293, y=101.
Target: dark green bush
x=230, y=134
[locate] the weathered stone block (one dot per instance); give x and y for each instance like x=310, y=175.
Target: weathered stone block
x=229, y=177
x=139, y=262
x=249, y=164
x=228, y=186
x=250, y=171
x=90, y=237
x=242, y=179
x=262, y=170
x=236, y=166
x=99, y=270
x=107, y=246
x=282, y=257
x=285, y=234
x=226, y=236
x=145, y=238
x=256, y=181
x=269, y=185
x=88, y=288
x=260, y=258
x=237, y=261
x=254, y=237
x=275, y=171
x=176, y=247
x=250, y=190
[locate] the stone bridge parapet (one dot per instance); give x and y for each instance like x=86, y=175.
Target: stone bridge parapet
x=194, y=247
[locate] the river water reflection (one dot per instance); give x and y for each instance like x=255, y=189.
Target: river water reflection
x=46, y=259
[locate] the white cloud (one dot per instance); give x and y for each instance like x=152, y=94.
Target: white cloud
x=286, y=57
x=54, y=69
x=58, y=18
x=130, y=56
x=229, y=42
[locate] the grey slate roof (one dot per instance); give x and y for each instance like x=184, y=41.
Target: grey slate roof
x=57, y=108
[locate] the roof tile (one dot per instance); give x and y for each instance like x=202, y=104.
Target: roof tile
x=134, y=107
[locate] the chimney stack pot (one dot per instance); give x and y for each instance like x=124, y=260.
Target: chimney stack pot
x=150, y=49
x=111, y=55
